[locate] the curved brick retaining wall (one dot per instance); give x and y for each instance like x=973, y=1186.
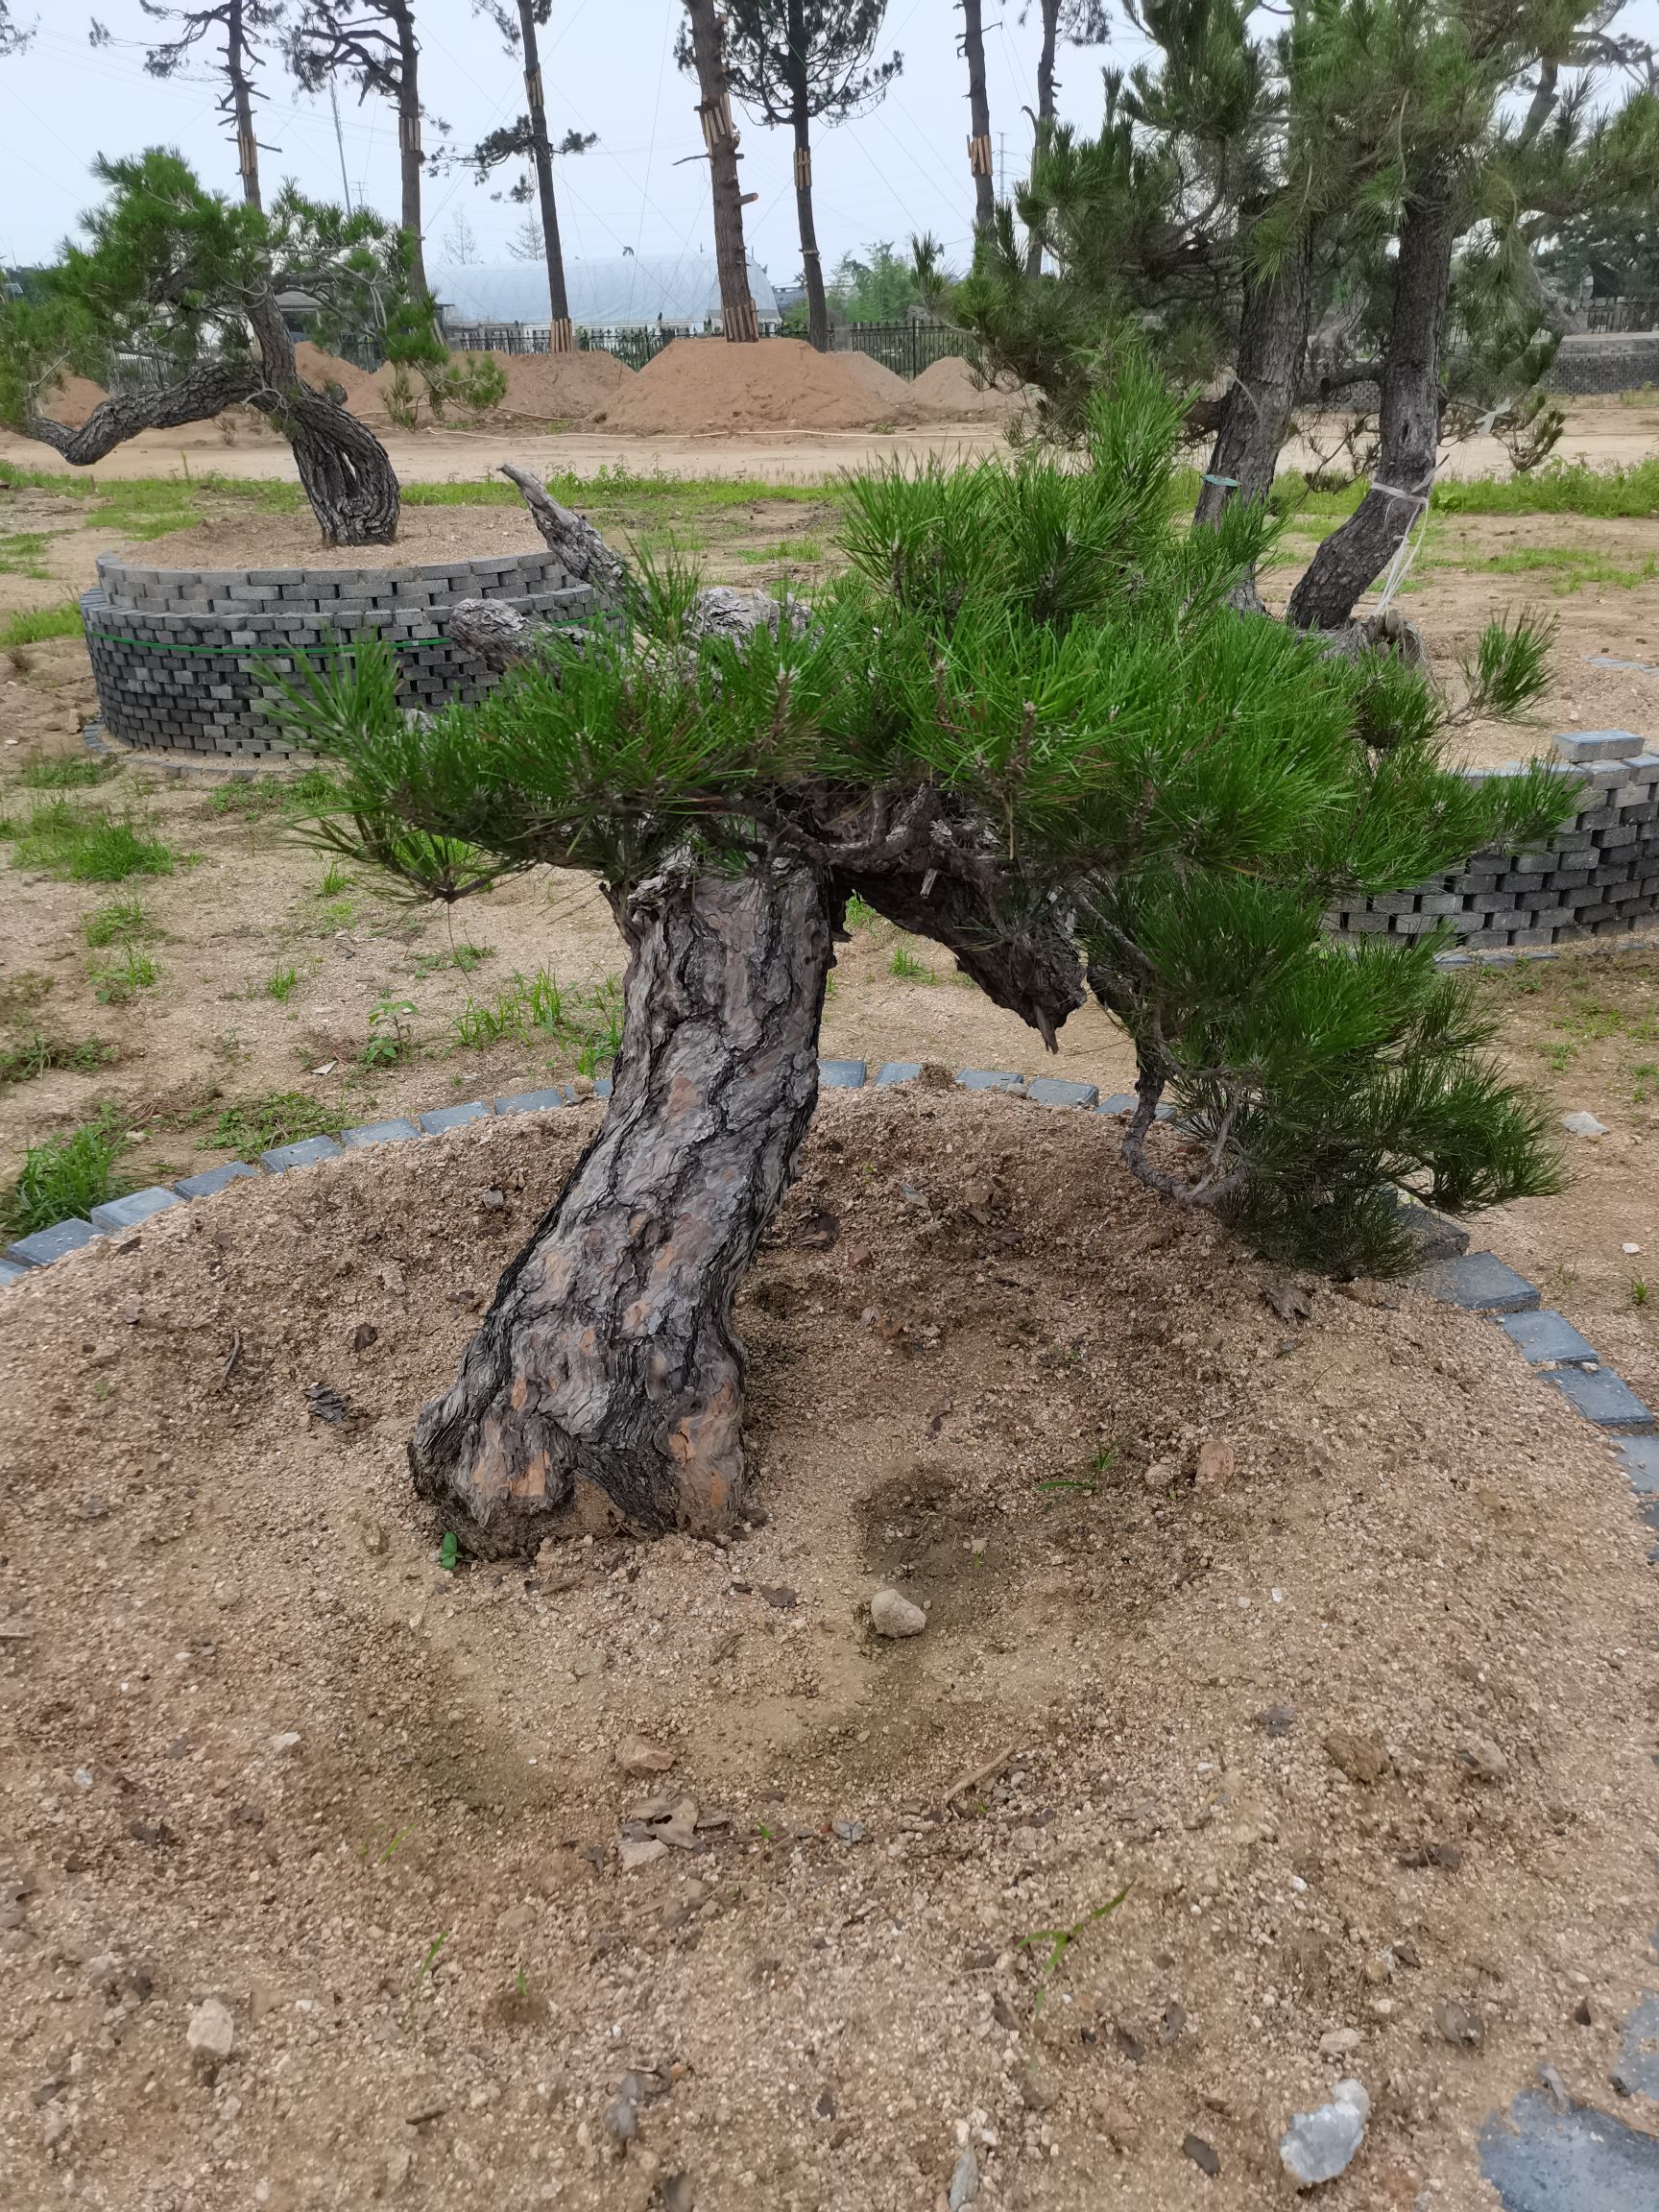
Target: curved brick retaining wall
x=189, y=660
x=1600, y=874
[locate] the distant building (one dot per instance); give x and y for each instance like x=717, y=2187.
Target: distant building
x=667, y=293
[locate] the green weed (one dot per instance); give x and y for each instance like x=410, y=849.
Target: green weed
x=252, y=800
x=859, y=915
x=391, y=1038
x=72, y=772
x=35, y=626
x=384, y=1841
x=281, y=983
x=1573, y=566
x=423, y=1971
x=273, y=1117
x=1638, y=1290
x=33, y=1055
x=124, y=920
x=1060, y=1940
x=905, y=965
x=90, y=846
x=115, y=981
x=466, y=957
x=585, y=1022
x=23, y=553
x=65, y=1176
x=335, y=880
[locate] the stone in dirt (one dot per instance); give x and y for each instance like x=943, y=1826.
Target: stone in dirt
x=1583, y=1125
x=636, y=1852
x=1204, y=2155
x=1360, y=1758
x=964, y=2181
x=638, y=1757
x=891, y=1614
x=1456, y=2024
x=1483, y=1760
x=1217, y=1463
x=211, y=2033
x=1319, y=2144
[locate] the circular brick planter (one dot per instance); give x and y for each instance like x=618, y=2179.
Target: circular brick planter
x=191, y=660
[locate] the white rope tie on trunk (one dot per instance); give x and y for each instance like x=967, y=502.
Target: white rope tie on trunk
x=1405, y=552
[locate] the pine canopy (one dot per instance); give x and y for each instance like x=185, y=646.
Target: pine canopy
x=1032, y=689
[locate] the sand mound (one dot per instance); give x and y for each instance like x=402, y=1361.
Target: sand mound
x=946, y=392
x=254, y=1746
x=362, y=389
x=703, y=384
x=71, y=400
x=561, y=387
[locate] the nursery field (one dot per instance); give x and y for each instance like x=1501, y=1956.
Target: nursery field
x=1286, y=1705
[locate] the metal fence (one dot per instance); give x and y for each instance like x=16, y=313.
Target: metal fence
x=905, y=348
x=1632, y=313
x=636, y=344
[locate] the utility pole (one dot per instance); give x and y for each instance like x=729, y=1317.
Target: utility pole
x=340, y=142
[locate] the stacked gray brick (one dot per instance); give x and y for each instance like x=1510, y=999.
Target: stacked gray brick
x=257, y=624
x=1600, y=874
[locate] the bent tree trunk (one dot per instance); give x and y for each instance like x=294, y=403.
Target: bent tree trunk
x=606, y=1369
x=1351, y=559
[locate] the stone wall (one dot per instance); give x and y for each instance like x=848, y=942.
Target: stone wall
x=1600, y=874
x=190, y=660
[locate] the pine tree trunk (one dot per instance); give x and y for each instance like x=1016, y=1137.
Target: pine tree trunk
x=411, y=157
x=606, y=1371
x=242, y=102
x=978, y=116
x=1255, y=412
x=739, y=321
x=345, y=471
x=1351, y=559
x=1045, y=115
x=561, y=339
x=812, y=265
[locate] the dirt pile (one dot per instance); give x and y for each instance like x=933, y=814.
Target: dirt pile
x=1297, y=1643
x=946, y=392
x=704, y=385
x=71, y=400
x=544, y=388
x=361, y=387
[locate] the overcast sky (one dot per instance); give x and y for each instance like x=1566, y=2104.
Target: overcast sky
x=608, y=68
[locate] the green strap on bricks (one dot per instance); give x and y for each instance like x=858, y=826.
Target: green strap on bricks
x=252, y=652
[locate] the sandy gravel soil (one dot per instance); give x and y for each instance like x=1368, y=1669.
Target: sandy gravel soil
x=1320, y=1645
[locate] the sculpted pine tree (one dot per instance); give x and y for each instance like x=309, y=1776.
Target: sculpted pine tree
x=187, y=285
x=1027, y=724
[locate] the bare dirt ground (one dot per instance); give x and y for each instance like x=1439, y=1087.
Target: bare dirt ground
x=1352, y=1728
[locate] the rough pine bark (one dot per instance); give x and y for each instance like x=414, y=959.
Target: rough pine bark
x=801, y=120
x=241, y=97
x=606, y=1371
x=1256, y=411
x=1350, y=560
x=345, y=471
x=978, y=115
x=561, y=336
x=739, y=323
x=1042, y=123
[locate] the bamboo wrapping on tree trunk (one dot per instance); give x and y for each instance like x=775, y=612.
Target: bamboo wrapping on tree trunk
x=607, y=1365
x=802, y=168
x=979, y=162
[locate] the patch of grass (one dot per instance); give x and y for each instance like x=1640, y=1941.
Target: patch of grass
x=90, y=847
x=123, y=921
x=1638, y=1290
x=115, y=981
x=40, y=623
x=252, y=802
x=860, y=916
x=1573, y=566
x=905, y=965
x=23, y=553
x=466, y=957
x=73, y=772
x=273, y=1118
x=1059, y=1941
x=33, y=1055
x=335, y=880
x=280, y=984
x=585, y=1023
x=1644, y=1074
x=65, y=1176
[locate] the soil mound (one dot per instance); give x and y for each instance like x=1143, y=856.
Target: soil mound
x=71, y=400
x=293, y=541
x=544, y=388
x=361, y=386
x=704, y=385
x=1318, y=1716
x=946, y=392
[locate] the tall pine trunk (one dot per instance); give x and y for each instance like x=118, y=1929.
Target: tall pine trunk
x=811, y=264
x=606, y=1371
x=410, y=154
x=1351, y=559
x=560, y=338
x=1044, y=122
x=242, y=102
x=978, y=116
x=739, y=321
